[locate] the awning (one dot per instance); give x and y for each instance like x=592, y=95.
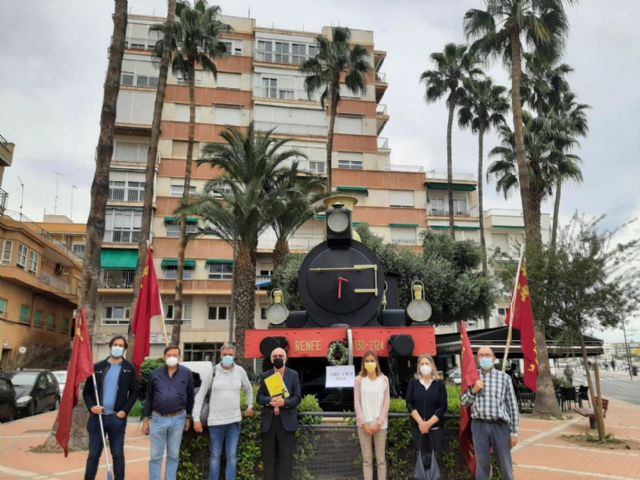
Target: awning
x=263, y=283
x=173, y=263
x=456, y=227
x=219, y=261
x=319, y=217
x=364, y=190
x=455, y=186
x=496, y=339
x=189, y=220
x=119, y=259
x=403, y=225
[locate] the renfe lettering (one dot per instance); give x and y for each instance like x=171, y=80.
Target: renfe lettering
x=307, y=346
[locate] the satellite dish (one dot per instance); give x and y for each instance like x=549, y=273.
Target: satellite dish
x=22, y=350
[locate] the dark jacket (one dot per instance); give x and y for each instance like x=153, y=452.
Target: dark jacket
x=167, y=394
x=127, y=386
x=288, y=413
x=428, y=403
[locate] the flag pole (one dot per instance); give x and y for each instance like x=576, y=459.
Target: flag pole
x=512, y=309
x=164, y=325
x=104, y=441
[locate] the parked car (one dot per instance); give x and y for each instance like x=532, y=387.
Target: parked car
x=36, y=391
x=61, y=376
x=8, y=407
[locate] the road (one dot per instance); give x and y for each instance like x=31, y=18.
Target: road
x=615, y=385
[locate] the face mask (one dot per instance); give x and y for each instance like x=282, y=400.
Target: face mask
x=486, y=363
x=425, y=370
x=117, y=352
x=171, y=362
x=227, y=360
x=278, y=362
x=370, y=366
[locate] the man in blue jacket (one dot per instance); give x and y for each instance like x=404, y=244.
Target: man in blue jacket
x=279, y=419
x=117, y=391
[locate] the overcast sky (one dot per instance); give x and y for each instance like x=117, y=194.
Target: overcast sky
x=53, y=57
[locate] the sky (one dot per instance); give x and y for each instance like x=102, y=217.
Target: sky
x=53, y=59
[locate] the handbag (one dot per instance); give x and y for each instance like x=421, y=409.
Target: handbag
x=204, y=412
x=429, y=471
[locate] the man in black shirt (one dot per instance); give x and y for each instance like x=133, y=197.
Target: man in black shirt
x=169, y=404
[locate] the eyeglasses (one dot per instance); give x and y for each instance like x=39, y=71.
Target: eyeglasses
x=278, y=356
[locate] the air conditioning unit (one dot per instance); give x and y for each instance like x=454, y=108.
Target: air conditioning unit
x=59, y=269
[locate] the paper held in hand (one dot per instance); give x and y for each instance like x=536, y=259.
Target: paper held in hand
x=275, y=386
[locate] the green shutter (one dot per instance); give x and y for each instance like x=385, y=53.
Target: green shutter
x=508, y=227
x=404, y=225
x=456, y=227
x=219, y=261
x=24, y=314
x=65, y=325
x=190, y=220
x=51, y=321
x=3, y=307
x=37, y=318
x=364, y=190
x=189, y=264
x=455, y=186
x=119, y=259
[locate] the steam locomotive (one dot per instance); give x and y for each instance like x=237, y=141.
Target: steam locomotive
x=351, y=307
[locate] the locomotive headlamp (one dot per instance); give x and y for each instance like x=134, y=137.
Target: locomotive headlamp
x=338, y=214
x=277, y=312
x=338, y=221
x=419, y=310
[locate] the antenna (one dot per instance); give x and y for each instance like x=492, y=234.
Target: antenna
x=73, y=187
x=21, y=196
x=55, y=201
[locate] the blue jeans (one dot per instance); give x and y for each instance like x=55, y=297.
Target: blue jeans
x=496, y=436
x=114, y=429
x=165, y=432
x=220, y=434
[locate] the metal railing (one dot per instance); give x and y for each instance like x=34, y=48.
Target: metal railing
x=3, y=201
x=381, y=109
x=281, y=57
x=444, y=212
x=381, y=77
x=117, y=278
x=55, y=282
x=292, y=129
x=383, y=143
x=504, y=212
x=404, y=168
x=442, y=175
x=279, y=93
x=139, y=43
x=403, y=241
x=122, y=236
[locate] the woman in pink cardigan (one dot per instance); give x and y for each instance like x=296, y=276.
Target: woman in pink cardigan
x=371, y=402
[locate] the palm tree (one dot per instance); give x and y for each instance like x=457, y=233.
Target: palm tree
x=196, y=41
x=147, y=209
x=543, y=83
x=454, y=67
x=482, y=107
x=293, y=202
x=501, y=30
x=337, y=58
x=236, y=206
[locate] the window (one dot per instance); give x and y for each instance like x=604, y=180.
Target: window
x=228, y=80
x=186, y=313
x=22, y=256
x=220, y=271
x=298, y=53
x=138, y=72
x=135, y=107
x=313, y=50
x=7, y=248
x=218, y=312
x=437, y=207
x=401, y=198
x=502, y=311
x=130, y=152
x=202, y=352
x=291, y=121
x=177, y=190
x=3, y=308
x=64, y=326
x=25, y=314
x=270, y=87
x=115, y=314
x=123, y=226
x=171, y=273
x=460, y=208
x=350, y=164
x=403, y=235
x=285, y=52
x=173, y=230
x=51, y=321
x=263, y=313
x=264, y=51
x=316, y=167
x=351, y=125
x=227, y=115
x=34, y=260
x=78, y=249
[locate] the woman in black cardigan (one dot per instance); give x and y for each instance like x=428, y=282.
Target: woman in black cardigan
x=427, y=403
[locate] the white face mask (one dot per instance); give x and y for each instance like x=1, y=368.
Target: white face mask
x=171, y=362
x=425, y=370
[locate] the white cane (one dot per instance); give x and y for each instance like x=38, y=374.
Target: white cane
x=104, y=441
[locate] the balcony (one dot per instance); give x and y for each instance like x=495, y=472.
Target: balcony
x=117, y=279
x=6, y=152
x=442, y=175
x=383, y=143
x=122, y=236
x=404, y=168
x=139, y=43
x=381, y=85
x=382, y=117
x=55, y=282
x=293, y=129
x=285, y=94
x=3, y=201
x=458, y=212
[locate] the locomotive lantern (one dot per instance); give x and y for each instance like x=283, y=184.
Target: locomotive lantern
x=343, y=287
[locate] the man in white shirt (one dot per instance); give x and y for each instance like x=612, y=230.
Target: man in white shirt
x=224, y=382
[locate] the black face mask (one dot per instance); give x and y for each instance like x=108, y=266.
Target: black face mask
x=278, y=362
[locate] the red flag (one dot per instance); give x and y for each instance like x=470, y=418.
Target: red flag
x=79, y=370
x=523, y=321
x=149, y=305
x=469, y=374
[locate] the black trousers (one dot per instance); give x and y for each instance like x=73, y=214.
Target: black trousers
x=278, y=448
x=433, y=441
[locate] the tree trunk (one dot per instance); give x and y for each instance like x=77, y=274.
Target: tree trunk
x=177, y=304
x=333, y=106
x=452, y=107
x=149, y=179
x=280, y=251
x=483, y=244
x=96, y=222
x=592, y=393
x=556, y=213
x=598, y=406
x=244, y=292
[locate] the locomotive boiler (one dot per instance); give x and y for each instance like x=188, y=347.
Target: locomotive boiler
x=351, y=307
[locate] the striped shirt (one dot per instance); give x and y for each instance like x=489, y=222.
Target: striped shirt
x=497, y=401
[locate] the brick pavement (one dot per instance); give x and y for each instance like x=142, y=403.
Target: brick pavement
x=541, y=453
